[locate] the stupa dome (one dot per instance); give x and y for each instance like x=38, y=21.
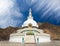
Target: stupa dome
x=30, y=20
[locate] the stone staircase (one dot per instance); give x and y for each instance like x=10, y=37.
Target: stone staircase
x=29, y=39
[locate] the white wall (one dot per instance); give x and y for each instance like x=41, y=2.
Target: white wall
x=16, y=39
x=42, y=39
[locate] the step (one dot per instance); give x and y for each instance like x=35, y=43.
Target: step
x=29, y=39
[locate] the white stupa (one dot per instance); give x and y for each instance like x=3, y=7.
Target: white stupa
x=30, y=20
x=30, y=34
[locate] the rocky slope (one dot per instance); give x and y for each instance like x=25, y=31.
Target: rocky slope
x=53, y=30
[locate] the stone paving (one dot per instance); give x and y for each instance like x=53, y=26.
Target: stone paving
x=53, y=43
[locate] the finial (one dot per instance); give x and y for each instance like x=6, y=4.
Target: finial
x=30, y=13
x=30, y=10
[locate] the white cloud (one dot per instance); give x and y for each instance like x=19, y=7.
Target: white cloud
x=5, y=6
x=53, y=6
x=7, y=10
x=33, y=1
x=47, y=6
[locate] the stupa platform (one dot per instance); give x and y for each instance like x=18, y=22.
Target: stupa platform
x=52, y=43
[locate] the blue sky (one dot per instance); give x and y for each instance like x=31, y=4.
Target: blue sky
x=15, y=12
